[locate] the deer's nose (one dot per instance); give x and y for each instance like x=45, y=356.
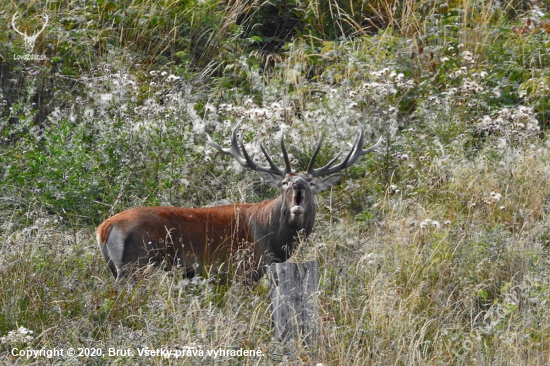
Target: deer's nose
x=299, y=184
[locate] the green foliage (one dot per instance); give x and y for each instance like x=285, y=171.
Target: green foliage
x=433, y=250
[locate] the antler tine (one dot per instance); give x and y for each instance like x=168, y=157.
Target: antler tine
x=35, y=34
x=254, y=166
x=14, y=27
x=242, y=157
x=288, y=167
x=233, y=150
x=373, y=147
x=355, y=153
x=314, y=156
x=43, y=27
x=327, y=165
x=269, y=159
x=352, y=156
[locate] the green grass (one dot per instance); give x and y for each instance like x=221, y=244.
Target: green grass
x=434, y=250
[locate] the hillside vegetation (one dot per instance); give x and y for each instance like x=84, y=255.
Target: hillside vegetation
x=435, y=250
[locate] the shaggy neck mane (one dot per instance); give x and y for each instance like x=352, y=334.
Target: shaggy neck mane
x=270, y=223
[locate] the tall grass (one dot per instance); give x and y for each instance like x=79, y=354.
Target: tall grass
x=434, y=250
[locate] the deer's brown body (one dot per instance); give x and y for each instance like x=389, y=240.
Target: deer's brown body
x=206, y=239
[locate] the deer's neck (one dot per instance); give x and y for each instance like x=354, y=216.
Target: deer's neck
x=272, y=227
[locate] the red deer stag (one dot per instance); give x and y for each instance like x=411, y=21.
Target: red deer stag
x=206, y=239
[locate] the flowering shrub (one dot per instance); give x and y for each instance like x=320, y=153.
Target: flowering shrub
x=433, y=249
x=517, y=125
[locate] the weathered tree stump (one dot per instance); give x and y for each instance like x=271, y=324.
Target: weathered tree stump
x=292, y=290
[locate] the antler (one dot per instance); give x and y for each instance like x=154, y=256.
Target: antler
x=244, y=159
x=29, y=40
x=35, y=34
x=355, y=153
x=44, y=26
x=14, y=27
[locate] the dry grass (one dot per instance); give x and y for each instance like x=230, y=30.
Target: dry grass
x=441, y=257
x=450, y=278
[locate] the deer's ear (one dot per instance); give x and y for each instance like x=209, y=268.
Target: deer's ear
x=322, y=184
x=271, y=180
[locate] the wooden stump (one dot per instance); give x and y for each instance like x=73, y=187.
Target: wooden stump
x=292, y=290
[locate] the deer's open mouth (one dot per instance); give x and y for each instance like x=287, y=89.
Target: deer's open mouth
x=299, y=200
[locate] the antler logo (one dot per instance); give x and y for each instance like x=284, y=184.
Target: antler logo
x=29, y=40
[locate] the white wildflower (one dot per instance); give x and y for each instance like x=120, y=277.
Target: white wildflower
x=21, y=335
x=275, y=106
x=430, y=224
x=372, y=259
x=467, y=56
x=493, y=198
x=171, y=78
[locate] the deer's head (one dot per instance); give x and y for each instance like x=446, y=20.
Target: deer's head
x=297, y=188
x=29, y=40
